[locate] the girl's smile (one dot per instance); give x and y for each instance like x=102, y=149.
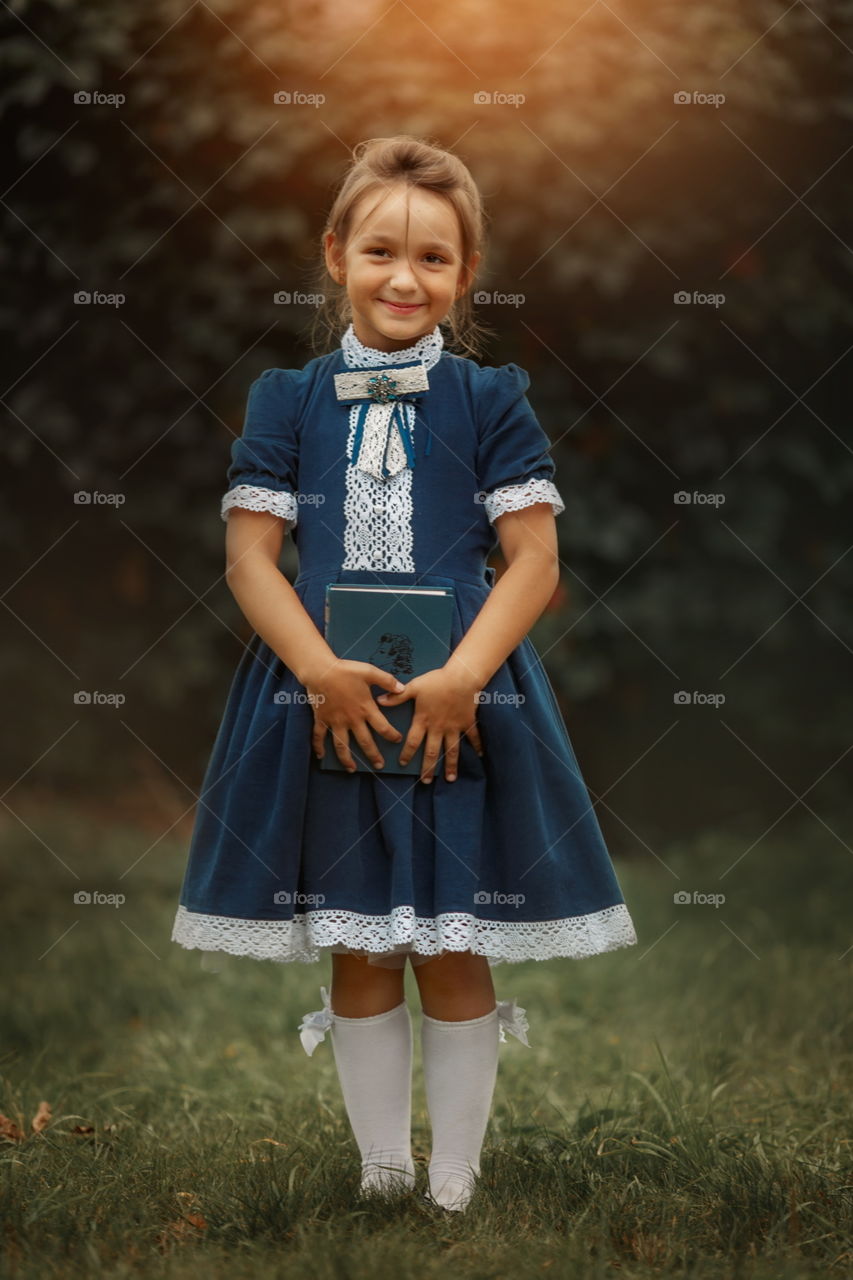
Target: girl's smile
x=401, y=308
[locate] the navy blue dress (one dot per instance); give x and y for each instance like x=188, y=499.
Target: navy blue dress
x=289, y=861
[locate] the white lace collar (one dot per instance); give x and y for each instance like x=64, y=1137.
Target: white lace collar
x=427, y=349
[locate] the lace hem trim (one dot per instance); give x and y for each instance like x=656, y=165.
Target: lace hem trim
x=513, y=497
x=255, y=498
x=303, y=937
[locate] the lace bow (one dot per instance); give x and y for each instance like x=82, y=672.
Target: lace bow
x=382, y=443
x=313, y=1027
x=511, y=1018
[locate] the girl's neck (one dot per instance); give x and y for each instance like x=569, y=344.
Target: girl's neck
x=426, y=349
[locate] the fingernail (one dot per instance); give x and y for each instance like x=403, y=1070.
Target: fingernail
x=427, y=780
x=451, y=777
x=399, y=687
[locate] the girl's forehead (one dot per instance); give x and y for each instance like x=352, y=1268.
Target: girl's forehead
x=411, y=214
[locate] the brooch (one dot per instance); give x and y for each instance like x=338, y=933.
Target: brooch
x=382, y=444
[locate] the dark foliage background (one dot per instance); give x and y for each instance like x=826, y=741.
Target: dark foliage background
x=199, y=198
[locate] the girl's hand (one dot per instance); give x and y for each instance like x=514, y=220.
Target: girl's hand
x=444, y=709
x=343, y=703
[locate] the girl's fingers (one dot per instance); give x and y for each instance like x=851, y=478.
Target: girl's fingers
x=318, y=739
x=367, y=742
x=382, y=726
x=394, y=699
x=432, y=750
x=451, y=756
x=340, y=738
x=414, y=738
x=473, y=736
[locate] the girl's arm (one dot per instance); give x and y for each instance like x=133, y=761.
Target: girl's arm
x=528, y=540
x=444, y=698
x=271, y=606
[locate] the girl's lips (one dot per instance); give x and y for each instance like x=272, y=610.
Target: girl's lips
x=402, y=308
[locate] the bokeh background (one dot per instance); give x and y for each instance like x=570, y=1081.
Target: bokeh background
x=199, y=199
x=669, y=258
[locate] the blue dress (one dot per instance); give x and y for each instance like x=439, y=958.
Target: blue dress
x=288, y=861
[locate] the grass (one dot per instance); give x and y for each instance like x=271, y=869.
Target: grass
x=683, y=1109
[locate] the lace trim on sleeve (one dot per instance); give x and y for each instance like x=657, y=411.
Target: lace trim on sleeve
x=255, y=498
x=515, y=496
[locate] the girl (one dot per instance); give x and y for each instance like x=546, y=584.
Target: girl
x=493, y=853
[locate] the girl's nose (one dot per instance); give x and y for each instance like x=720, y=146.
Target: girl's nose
x=403, y=277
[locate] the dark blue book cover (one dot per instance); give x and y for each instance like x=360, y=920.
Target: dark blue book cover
x=404, y=630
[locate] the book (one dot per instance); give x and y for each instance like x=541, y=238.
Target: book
x=403, y=630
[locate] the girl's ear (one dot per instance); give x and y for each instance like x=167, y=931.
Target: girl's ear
x=334, y=257
x=467, y=274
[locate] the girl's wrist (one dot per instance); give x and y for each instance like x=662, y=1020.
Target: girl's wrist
x=466, y=678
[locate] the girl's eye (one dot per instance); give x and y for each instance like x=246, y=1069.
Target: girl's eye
x=436, y=256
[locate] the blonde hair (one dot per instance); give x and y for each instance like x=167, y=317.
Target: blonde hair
x=379, y=162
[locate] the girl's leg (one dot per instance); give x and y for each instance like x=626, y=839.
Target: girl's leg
x=371, y=1037
x=459, y=1038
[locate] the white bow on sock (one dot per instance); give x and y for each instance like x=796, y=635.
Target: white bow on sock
x=460, y=1068
x=374, y=1061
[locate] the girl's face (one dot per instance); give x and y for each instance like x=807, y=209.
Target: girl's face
x=402, y=265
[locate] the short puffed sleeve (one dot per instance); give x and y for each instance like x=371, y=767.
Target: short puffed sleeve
x=263, y=471
x=514, y=466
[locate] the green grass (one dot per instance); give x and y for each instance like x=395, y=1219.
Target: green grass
x=683, y=1109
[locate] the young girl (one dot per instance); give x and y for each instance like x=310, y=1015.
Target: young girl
x=493, y=853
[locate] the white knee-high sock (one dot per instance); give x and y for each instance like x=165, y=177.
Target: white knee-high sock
x=374, y=1061
x=460, y=1068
